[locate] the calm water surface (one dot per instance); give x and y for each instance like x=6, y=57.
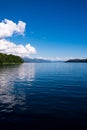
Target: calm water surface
x=43, y=95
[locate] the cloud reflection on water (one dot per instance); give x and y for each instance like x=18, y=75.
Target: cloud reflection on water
x=11, y=80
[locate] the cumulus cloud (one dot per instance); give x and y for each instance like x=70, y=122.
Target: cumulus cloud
x=8, y=28
x=8, y=47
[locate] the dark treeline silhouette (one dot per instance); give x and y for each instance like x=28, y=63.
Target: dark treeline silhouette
x=77, y=60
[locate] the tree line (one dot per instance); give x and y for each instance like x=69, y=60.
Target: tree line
x=10, y=59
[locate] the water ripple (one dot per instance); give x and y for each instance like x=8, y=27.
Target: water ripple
x=56, y=90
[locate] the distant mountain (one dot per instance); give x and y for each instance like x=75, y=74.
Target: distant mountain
x=77, y=60
x=37, y=60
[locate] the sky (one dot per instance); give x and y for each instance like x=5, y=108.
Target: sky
x=55, y=29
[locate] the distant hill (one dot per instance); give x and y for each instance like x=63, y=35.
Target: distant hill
x=10, y=59
x=77, y=60
x=37, y=60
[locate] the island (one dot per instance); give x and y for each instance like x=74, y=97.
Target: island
x=10, y=59
x=77, y=60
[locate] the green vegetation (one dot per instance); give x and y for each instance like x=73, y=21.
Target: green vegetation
x=10, y=59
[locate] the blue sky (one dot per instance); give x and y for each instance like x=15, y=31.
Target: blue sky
x=56, y=28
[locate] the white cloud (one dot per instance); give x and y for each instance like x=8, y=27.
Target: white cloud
x=8, y=47
x=55, y=58
x=8, y=28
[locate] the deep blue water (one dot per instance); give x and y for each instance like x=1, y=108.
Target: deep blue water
x=43, y=96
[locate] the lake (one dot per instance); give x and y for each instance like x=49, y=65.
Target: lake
x=43, y=96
